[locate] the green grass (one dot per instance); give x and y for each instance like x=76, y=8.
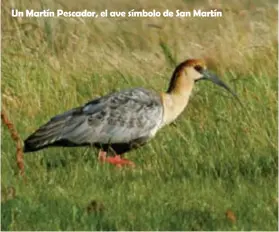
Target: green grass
x=217, y=157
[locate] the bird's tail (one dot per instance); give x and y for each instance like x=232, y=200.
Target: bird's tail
x=50, y=134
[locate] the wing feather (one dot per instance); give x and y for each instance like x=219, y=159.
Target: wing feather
x=119, y=117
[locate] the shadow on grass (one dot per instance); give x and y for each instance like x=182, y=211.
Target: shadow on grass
x=58, y=159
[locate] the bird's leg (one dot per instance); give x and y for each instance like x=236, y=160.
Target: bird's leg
x=119, y=162
x=115, y=160
x=102, y=156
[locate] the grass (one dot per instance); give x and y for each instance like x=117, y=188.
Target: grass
x=218, y=156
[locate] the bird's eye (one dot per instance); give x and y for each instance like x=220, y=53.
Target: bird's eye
x=198, y=68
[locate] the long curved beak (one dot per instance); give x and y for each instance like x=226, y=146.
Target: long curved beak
x=216, y=80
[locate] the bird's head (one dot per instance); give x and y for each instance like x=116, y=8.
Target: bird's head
x=192, y=68
x=195, y=70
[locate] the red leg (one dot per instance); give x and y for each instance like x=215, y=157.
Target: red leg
x=119, y=162
x=102, y=156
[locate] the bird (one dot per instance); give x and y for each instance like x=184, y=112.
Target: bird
x=123, y=120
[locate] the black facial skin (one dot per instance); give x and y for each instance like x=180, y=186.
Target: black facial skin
x=207, y=75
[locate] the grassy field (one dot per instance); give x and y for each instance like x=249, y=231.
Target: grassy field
x=216, y=169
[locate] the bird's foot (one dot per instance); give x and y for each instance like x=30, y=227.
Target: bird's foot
x=116, y=160
x=119, y=162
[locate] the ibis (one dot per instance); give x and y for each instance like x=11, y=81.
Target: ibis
x=121, y=121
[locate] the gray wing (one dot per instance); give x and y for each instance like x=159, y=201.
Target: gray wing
x=117, y=118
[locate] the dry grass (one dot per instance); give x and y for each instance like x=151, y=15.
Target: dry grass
x=17, y=140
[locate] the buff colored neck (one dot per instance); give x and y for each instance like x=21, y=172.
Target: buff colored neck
x=176, y=98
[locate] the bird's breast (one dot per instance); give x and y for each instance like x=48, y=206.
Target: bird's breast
x=173, y=106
